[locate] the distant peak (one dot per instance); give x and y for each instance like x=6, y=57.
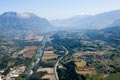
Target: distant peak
x=25, y=15
x=9, y=13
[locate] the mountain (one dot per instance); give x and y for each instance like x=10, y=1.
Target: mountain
x=73, y=21
x=116, y=23
x=112, y=34
x=89, y=22
x=114, y=27
x=23, y=22
x=109, y=34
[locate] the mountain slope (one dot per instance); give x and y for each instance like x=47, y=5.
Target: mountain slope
x=18, y=22
x=109, y=34
x=116, y=23
x=89, y=22
x=74, y=21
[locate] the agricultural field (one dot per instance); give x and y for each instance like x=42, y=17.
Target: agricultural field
x=48, y=55
x=82, y=68
x=50, y=73
x=48, y=62
x=17, y=54
x=102, y=55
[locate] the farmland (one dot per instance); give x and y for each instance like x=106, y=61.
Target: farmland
x=100, y=59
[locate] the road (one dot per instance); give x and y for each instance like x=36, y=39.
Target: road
x=38, y=57
x=56, y=74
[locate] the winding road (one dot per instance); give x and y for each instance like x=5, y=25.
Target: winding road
x=56, y=74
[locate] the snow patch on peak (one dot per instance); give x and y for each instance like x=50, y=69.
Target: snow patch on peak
x=24, y=15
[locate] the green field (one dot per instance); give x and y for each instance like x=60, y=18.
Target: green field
x=113, y=77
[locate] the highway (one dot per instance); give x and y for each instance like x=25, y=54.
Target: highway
x=56, y=74
x=37, y=58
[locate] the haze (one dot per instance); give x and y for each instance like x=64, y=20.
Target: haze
x=57, y=9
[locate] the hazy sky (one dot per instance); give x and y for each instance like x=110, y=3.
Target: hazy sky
x=53, y=9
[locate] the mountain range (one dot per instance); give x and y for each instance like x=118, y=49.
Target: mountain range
x=98, y=21
x=23, y=22
x=13, y=22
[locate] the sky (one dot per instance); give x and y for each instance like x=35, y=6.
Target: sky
x=59, y=9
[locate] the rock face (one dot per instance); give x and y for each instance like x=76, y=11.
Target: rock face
x=18, y=22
